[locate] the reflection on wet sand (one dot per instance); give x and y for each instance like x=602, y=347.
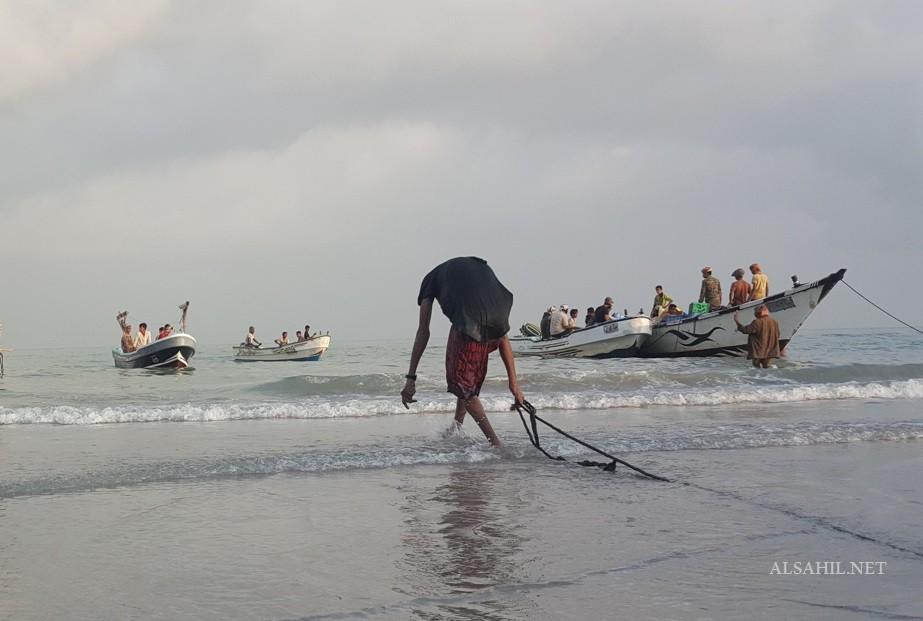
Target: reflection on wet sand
x=468, y=546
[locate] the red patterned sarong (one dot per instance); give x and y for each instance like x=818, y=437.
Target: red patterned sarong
x=466, y=364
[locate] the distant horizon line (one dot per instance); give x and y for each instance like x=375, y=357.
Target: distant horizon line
x=408, y=338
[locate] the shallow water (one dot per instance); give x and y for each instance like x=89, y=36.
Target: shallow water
x=306, y=491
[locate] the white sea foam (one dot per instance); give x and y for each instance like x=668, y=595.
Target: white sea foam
x=463, y=449
x=343, y=407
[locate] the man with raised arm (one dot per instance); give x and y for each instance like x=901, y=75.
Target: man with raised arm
x=478, y=305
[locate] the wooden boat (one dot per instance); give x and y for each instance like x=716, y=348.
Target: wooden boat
x=172, y=352
x=715, y=333
x=618, y=338
x=299, y=351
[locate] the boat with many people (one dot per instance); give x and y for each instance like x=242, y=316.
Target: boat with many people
x=171, y=352
x=715, y=333
x=618, y=338
x=310, y=349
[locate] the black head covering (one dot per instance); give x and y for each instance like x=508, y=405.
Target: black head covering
x=471, y=296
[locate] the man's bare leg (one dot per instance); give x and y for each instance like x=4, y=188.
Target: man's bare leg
x=459, y=413
x=480, y=417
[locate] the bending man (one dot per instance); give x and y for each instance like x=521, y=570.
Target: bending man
x=478, y=305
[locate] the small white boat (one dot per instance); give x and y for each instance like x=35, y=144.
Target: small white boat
x=618, y=338
x=309, y=350
x=715, y=333
x=172, y=352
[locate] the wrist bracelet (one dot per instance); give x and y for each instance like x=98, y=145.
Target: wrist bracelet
x=411, y=376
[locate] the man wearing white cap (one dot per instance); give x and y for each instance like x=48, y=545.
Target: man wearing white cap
x=561, y=321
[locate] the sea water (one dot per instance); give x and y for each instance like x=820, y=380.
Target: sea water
x=306, y=490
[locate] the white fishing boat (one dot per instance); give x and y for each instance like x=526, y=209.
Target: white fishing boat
x=618, y=338
x=309, y=350
x=171, y=352
x=715, y=333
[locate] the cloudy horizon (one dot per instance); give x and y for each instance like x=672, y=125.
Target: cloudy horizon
x=283, y=162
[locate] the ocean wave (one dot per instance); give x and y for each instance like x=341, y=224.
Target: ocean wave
x=323, y=407
x=581, y=376
x=461, y=448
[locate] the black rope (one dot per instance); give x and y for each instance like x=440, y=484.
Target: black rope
x=534, y=439
x=881, y=309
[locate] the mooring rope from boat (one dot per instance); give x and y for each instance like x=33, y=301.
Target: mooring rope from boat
x=897, y=319
x=533, y=438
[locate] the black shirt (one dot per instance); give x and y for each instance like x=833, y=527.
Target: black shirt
x=477, y=304
x=601, y=313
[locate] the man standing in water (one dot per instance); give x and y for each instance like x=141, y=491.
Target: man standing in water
x=478, y=305
x=763, y=337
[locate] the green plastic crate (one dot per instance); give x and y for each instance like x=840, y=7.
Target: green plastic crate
x=697, y=308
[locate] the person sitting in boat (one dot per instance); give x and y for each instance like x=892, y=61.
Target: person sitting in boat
x=165, y=331
x=283, y=340
x=760, y=283
x=590, y=316
x=561, y=322
x=299, y=336
x=250, y=340
x=740, y=288
x=711, y=289
x=143, y=339
x=307, y=333
x=574, y=313
x=661, y=301
x=545, y=323
x=604, y=313
x=128, y=343
x=671, y=314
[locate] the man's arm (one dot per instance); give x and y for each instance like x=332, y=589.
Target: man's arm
x=419, y=346
x=506, y=354
x=746, y=329
x=702, y=292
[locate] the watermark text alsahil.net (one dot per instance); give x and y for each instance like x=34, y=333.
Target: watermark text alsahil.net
x=828, y=568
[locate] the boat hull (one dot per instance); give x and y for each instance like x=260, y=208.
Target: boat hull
x=716, y=334
x=173, y=352
x=303, y=351
x=620, y=338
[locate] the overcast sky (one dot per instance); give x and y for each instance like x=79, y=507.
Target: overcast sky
x=279, y=163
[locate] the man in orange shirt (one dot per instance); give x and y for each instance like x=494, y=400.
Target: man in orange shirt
x=740, y=289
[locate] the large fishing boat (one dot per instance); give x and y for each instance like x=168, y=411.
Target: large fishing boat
x=618, y=338
x=715, y=333
x=171, y=352
x=299, y=351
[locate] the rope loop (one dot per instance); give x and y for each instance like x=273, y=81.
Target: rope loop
x=534, y=419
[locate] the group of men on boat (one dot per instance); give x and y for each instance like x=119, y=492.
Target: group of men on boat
x=763, y=331
x=250, y=339
x=741, y=292
x=561, y=320
x=131, y=343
